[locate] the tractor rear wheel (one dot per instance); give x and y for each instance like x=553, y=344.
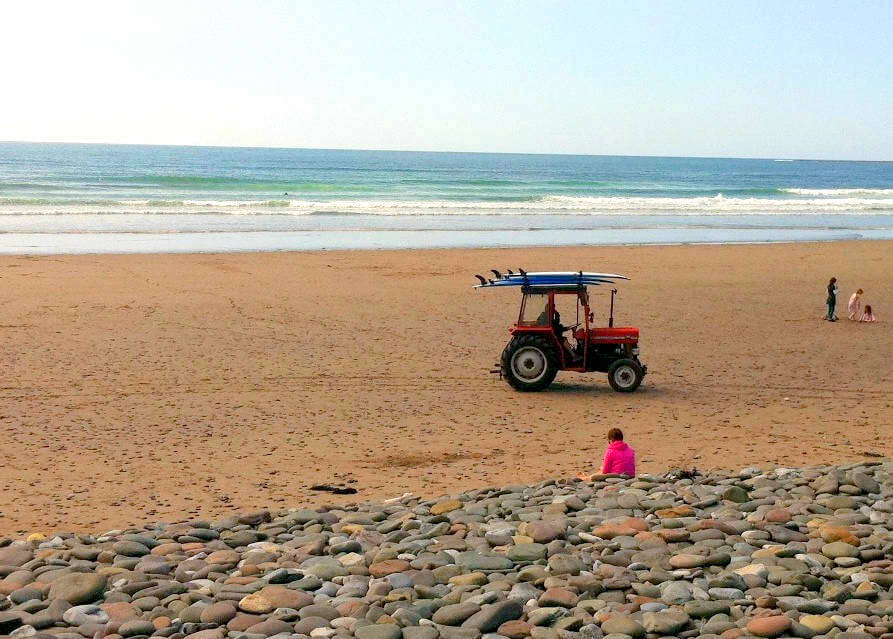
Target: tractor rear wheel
x=529, y=363
x=625, y=375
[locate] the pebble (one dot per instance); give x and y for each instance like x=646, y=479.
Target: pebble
x=792, y=552
x=623, y=625
x=769, y=626
x=667, y=622
x=379, y=631
x=79, y=615
x=78, y=587
x=455, y=614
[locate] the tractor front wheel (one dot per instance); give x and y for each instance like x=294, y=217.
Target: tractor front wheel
x=625, y=375
x=529, y=363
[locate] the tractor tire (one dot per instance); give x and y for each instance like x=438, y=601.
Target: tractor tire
x=625, y=375
x=529, y=363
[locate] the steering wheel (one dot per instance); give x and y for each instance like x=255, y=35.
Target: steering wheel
x=570, y=328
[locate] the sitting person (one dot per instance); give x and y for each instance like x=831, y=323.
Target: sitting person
x=867, y=315
x=620, y=459
x=559, y=330
x=543, y=318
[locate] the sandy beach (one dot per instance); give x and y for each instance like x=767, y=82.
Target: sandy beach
x=161, y=387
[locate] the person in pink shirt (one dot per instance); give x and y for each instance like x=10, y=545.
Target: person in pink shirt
x=620, y=459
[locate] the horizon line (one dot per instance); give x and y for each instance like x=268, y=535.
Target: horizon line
x=367, y=150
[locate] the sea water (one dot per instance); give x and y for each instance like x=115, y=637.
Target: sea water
x=81, y=198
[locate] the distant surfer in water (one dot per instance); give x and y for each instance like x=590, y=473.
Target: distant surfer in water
x=831, y=300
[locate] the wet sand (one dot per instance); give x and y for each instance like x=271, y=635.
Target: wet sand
x=162, y=387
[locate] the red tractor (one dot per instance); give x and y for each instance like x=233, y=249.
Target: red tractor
x=539, y=346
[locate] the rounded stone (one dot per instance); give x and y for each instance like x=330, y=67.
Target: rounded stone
x=817, y=623
x=778, y=515
x=122, y=610
x=676, y=593
x=685, y=560
x=609, y=531
x=455, y=614
x=78, y=588
x=621, y=624
x=546, y=530
x=735, y=494
x=270, y=627
x=526, y=552
x=192, y=613
x=387, y=567
x=308, y=624
x=773, y=626
x=668, y=622
x=220, y=613
x=136, y=627
x=223, y=557
x=84, y=614
x=214, y=633
x=516, y=629
x=379, y=631
x=837, y=549
x=443, y=507
x=22, y=595
x=242, y=622
x=130, y=548
x=319, y=610
x=15, y=556
x=558, y=597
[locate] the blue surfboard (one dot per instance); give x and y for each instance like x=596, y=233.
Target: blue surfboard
x=552, y=279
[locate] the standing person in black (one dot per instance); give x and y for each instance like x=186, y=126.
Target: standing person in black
x=832, y=300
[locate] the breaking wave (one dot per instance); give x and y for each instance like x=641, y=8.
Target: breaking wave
x=840, y=192
x=819, y=203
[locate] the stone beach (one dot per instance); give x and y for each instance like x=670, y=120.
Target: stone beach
x=750, y=553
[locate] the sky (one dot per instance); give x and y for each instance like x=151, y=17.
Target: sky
x=788, y=79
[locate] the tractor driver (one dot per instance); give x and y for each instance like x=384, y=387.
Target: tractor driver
x=543, y=320
x=556, y=325
x=557, y=328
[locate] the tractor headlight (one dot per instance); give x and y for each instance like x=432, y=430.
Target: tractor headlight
x=636, y=351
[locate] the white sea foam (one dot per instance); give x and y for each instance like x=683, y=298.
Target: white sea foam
x=821, y=203
x=840, y=192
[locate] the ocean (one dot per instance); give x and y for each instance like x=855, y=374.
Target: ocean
x=86, y=198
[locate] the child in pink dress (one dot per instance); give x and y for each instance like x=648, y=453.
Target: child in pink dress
x=854, y=304
x=867, y=315
x=619, y=459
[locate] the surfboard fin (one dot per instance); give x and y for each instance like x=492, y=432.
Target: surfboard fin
x=496, y=273
x=481, y=278
x=522, y=272
x=510, y=271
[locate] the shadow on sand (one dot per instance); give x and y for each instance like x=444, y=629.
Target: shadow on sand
x=598, y=388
